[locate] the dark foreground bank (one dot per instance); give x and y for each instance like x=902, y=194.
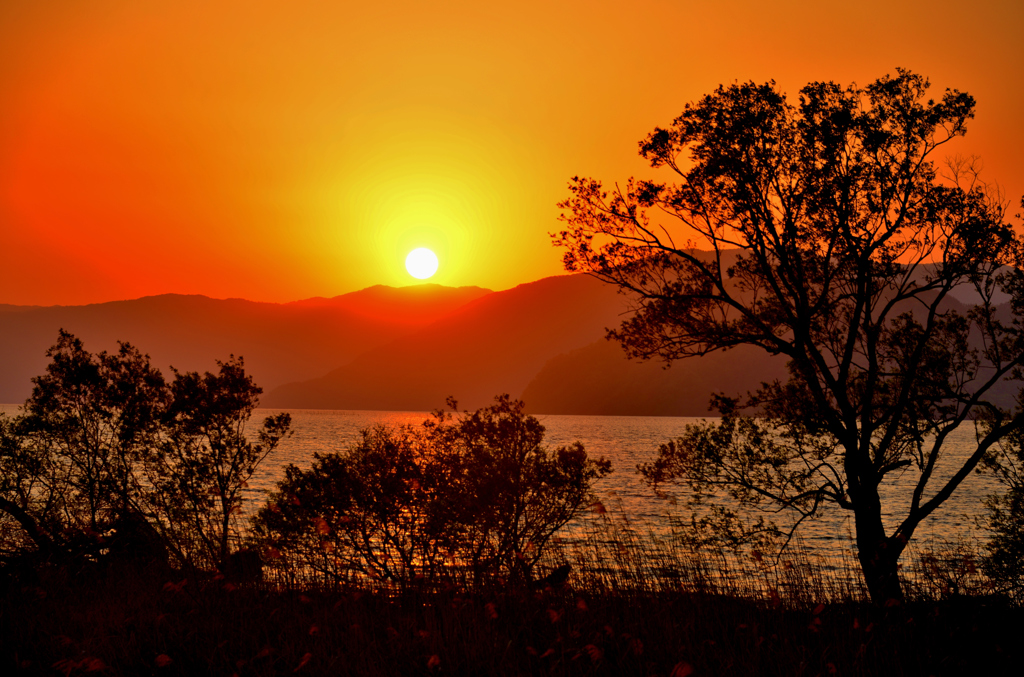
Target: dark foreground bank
x=128, y=623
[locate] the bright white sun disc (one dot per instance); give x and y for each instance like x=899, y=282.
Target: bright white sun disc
x=421, y=263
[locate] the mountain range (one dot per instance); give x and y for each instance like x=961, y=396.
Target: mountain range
x=281, y=342
x=492, y=345
x=401, y=349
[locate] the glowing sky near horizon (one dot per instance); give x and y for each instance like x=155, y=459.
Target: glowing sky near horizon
x=277, y=151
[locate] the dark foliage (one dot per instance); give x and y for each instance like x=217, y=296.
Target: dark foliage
x=72, y=461
x=1004, y=564
x=109, y=463
x=465, y=496
x=205, y=458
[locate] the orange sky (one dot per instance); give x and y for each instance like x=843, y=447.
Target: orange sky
x=282, y=150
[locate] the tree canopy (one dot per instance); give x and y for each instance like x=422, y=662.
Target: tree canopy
x=822, y=231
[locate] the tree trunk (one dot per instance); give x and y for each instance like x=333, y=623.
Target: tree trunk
x=225, y=550
x=31, y=527
x=879, y=556
x=881, y=573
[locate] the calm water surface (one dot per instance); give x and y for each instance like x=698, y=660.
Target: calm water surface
x=627, y=441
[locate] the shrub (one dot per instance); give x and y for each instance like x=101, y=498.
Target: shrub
x=71, y=461
x=463, y=496
x=1004, y=562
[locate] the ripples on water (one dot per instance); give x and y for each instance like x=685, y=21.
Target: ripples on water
x=627, y=441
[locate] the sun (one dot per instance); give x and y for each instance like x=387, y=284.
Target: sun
x=421, y=263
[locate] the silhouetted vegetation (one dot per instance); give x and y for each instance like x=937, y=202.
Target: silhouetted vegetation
x=109, y=459
x=821, y=232
x=634, y=604
x=204, y=459
x=73, y=459
x=422, y=549
x=464, y=497
x=1004, y=564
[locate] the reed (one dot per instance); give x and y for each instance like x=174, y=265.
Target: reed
x=636, y=603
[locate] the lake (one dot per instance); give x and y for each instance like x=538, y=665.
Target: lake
x=627, y=441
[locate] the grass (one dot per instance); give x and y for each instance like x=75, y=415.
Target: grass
x=634, y=605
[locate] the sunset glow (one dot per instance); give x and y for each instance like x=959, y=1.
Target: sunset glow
x=277, y=151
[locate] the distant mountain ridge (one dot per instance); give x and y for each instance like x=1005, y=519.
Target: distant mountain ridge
x=280, y=342
x=416, y=305
x=543, y=342
x=405, y=349
x=493, y=345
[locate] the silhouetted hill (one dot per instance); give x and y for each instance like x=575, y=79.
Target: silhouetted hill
x=493, y=345
x=542, y=342
x=599, y=380
x=405, y=348
x=280, y=342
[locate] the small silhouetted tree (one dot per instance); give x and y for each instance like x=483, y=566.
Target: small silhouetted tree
x=512, y=492
x=469, y=496
x=205, y=457
x=107, y=454
x=820, y=231
x=1004, y=563
x=71, y=460
x=364, y=511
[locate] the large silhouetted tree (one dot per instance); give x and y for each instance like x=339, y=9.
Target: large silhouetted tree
x=820, y=231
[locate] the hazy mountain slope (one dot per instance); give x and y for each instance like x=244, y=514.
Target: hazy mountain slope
x=406, y=348
x=598, y=379
x=543, y=342
x=493, y=345
x=280, y=342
